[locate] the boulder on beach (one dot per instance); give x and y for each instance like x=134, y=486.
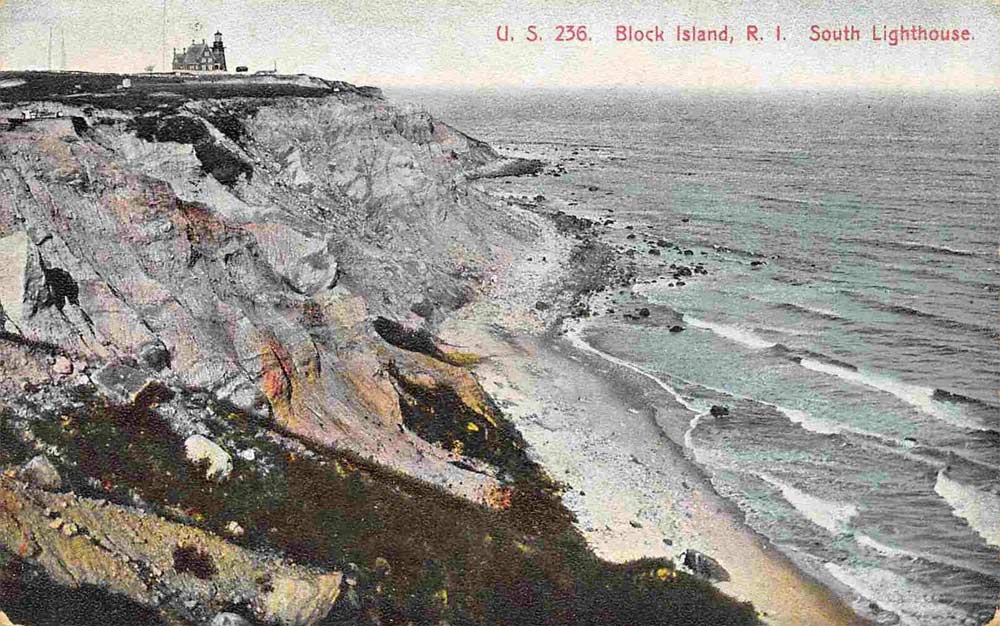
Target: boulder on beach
x=704, y=566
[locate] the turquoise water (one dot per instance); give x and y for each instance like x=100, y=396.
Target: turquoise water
x=847, y=320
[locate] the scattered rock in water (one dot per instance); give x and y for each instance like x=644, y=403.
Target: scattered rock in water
x=635, y=523
x=654, y=251
x=630, y=236
x=542, y=306
x=689, y=253
x=643, y=312
x=718, y=411
x=704, y=566
x=756, y=264
x=676, y=329
x=201, y=449
x=40, y=473
x=593, y=188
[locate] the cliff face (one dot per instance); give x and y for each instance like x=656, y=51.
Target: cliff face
x=248, y=242
x=208, y=292
x=239, y=248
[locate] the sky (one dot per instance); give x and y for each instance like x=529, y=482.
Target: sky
x=399, y=43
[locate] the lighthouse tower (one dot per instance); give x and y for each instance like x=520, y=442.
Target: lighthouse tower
x=219, y=51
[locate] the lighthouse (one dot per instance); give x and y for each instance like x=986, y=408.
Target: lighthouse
x=199, y=57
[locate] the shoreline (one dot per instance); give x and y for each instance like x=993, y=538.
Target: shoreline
x=592, y=425
x=633, y=490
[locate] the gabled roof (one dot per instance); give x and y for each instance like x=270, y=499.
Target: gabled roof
x=195, y=54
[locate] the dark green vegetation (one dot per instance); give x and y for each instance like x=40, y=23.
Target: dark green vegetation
x=156, y=92
x=415, y=554
x=418, y=340
x=216, y=159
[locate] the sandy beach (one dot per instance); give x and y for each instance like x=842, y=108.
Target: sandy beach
x=592, y=425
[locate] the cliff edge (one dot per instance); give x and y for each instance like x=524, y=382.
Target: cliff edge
x=221, y=394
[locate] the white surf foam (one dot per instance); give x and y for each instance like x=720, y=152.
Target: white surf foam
x=792, y=332
x=914, y=604
x=689, y=435
x=902, y=553
x=573, y=335
x=801, y=418
x=834, y=517
x=733, y=333
x=979, y=508
x=916, y=396
x=810, y=423
x=884, y=549
x=820, y=310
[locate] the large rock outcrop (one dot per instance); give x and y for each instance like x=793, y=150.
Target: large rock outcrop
x=185, y=571
x=251, y=241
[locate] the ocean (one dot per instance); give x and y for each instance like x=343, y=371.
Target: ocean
x=843, y=309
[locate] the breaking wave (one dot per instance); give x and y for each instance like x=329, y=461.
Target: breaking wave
x=733, y=333
x=834, y=517
x=979, y=508
x=916, y=396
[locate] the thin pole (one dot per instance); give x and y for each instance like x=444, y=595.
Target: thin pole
x=50, y=48
x=62, y=60
x=163, y=47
